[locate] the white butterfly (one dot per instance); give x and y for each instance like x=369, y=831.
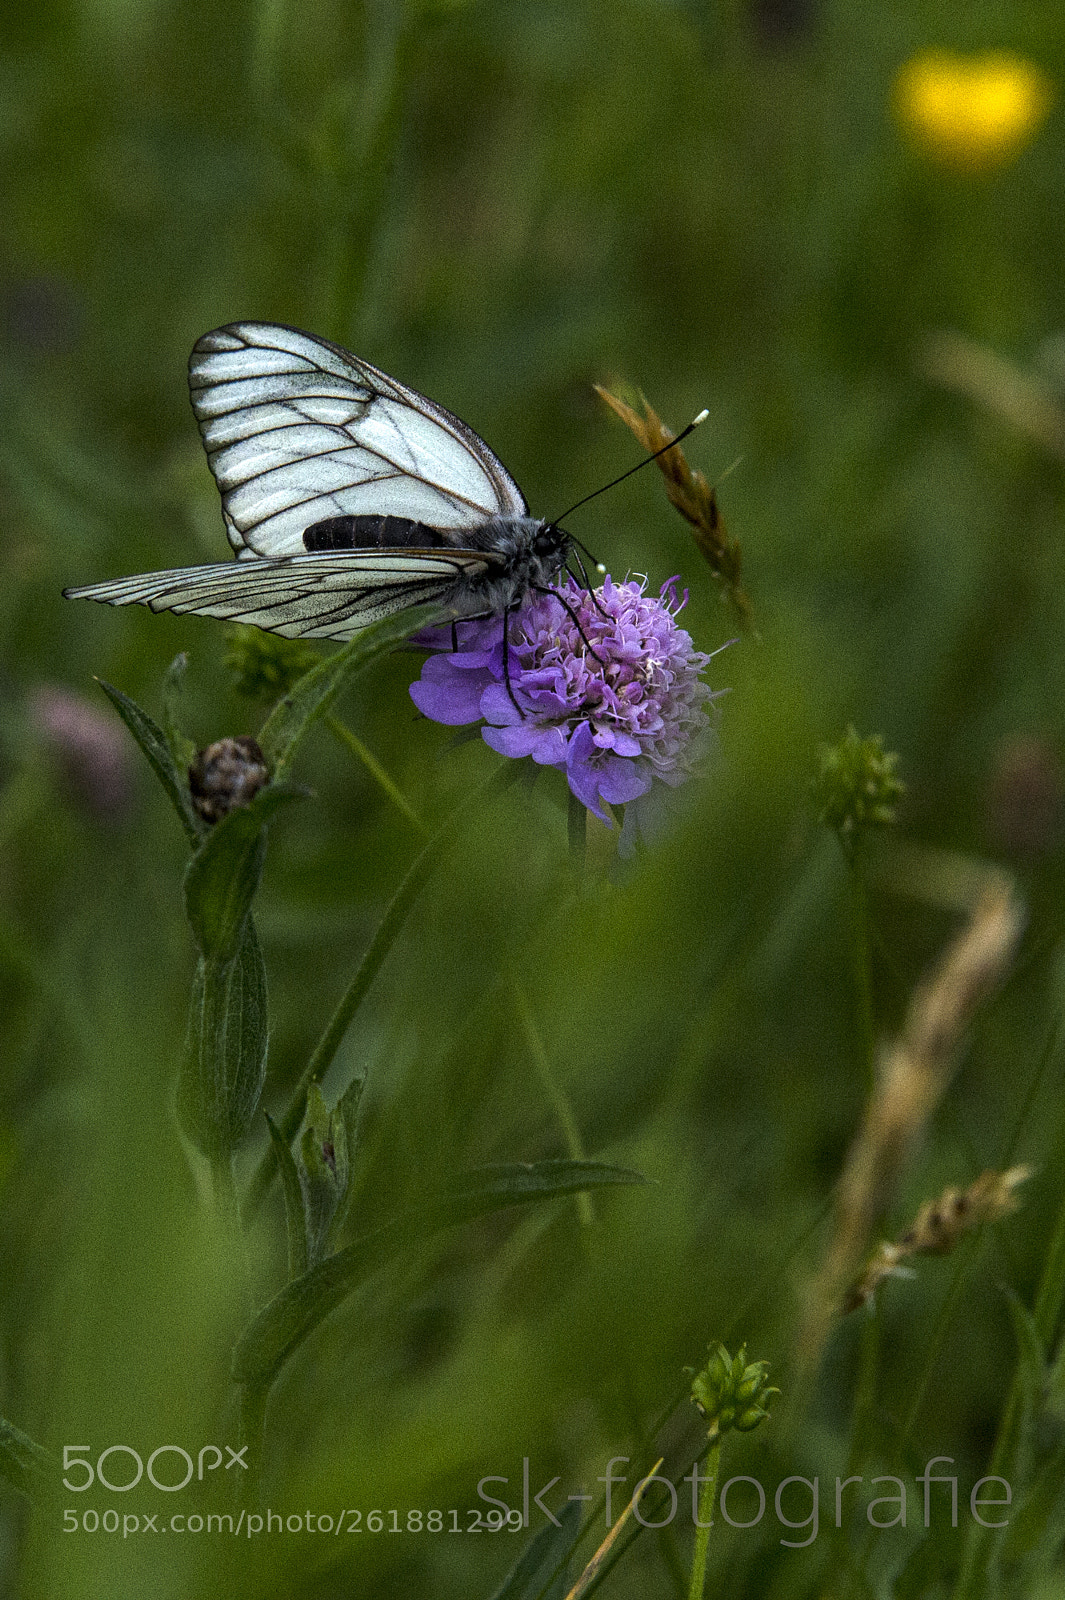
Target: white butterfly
x=346, y=497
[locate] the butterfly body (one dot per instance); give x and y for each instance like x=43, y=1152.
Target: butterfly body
x=346, y=497
x=522, y=553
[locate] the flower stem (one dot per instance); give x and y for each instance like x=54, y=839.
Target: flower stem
x=863, y=978
x=363, y=753
x=707, y=1496
x=263, y=66
x=227, y=1207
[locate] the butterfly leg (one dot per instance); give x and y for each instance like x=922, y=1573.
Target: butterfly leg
x=564, y=603
x=454, y=638
x=506, y=661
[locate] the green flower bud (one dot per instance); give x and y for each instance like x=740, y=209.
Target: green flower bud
x=731, y=1393
x=751, y=1417
x=324, y=1165
x=265, y=665
x=857, y=786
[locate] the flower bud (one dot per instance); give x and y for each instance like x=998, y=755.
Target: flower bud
x=226, y=775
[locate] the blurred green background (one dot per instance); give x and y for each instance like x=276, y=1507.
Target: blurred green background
x=502, y=204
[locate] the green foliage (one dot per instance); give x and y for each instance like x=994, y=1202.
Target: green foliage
x=298, y=1309
x=502, y=204
x=224, y=1064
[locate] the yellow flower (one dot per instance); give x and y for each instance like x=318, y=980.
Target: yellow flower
x=971, y=112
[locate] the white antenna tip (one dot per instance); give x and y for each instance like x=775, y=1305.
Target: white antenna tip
x=600, y=568
x=704, y=413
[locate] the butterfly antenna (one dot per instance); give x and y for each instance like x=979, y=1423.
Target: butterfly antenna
x=596, y=563
x=682, y=435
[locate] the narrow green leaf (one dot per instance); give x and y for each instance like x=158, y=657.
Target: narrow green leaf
x=223, y=875
x=314, y=693
x=295, y=1216
x=1034, y=1532
x=224, y=1065
x=323, y=1169
x=298, y=1309
x=157, y=751
x=182, y=747
x=1031, y=1357
x=347, y=1110
x=25, y=1464
x=549, y=1549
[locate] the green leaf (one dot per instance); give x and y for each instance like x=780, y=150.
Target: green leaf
x=324, y=1181
x=315, y=691
x=1031, y=1357
x=549, y=1549
x=1034, y=1532
x=298, y=1309
x=182, y=747
x=295, y=1217
x=153, y=743
x=23, y=1462
x=347, y=1113
x=223, y=875
x=221, y=1080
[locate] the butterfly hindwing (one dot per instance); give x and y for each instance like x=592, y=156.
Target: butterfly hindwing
x=305, y=597
x=297, y=431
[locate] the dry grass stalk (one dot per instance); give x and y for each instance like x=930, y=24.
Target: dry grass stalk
x=914, y=1074
x=592, y=1570
x=938, y=1227
x=693, y=497
x=1022, y=399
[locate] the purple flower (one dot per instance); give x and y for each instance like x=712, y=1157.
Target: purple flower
x=612, y=725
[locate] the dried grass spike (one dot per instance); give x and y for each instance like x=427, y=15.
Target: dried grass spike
x=692, y=496
x=939, y=1227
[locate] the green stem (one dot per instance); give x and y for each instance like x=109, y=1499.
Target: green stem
x=388, y=930
x=707, y=1496
x=26, y=1465
x=361, y=752
x=979, y=1546
x=227, y=1206
x=863, y=975
x=937, y=1339
x=356, y=178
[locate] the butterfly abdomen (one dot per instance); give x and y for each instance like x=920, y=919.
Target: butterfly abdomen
x=368, y=532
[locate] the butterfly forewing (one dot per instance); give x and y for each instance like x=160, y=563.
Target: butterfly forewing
x=346, y=497
x=297, y=431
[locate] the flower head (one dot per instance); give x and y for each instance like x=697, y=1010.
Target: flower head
x=612, y=724
x=971, y=112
